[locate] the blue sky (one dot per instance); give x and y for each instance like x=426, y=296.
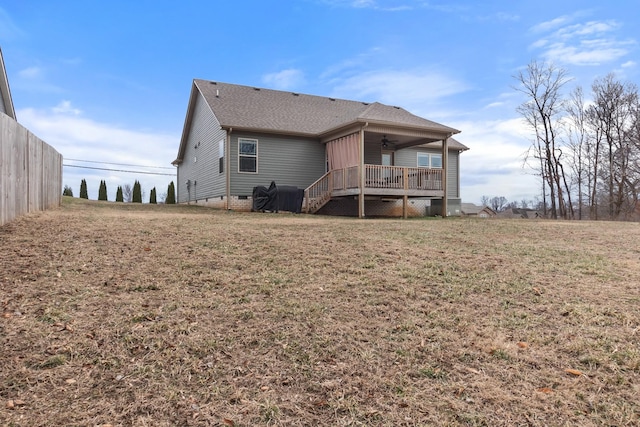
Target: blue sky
x=110, y=81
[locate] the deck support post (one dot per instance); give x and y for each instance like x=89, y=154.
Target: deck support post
x=445, y=164
x=405, y=198
x=405, y=207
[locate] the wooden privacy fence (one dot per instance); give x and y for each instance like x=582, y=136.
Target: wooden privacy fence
x=30, y=172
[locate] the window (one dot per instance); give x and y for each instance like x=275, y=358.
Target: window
x=221, y=156
x=431, y=161
x=248, y=155
x=423, y=160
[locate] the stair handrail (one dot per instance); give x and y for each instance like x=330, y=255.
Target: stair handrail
x=321, y=188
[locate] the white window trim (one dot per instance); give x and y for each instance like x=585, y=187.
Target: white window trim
x=430, y=157
x=245, y=155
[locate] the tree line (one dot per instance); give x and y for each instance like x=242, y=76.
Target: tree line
x=125, y=193
x=585, y=146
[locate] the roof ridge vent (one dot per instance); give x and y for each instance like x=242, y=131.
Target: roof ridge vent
x=295, y=94
x=256, y=88
x=213, y=83
x=332, y=99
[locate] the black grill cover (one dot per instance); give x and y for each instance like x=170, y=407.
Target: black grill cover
x=277, y=198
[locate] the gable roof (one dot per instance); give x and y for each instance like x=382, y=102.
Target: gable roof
x=267, y=110
x=453, y=144
x=473, y=209
x=5, y=92
x=262, y=110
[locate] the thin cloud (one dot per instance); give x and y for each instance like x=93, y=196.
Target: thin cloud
x=402, y=88
x=381, y=5
x=30, y=73
x=64, y=107
x=285, y=79
x=588, y=43
x=8, y=30
x=546, y=26
x=402, y=6
x=587, y=52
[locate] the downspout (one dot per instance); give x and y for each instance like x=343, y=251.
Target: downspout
x=177, y=185
x=361, y=212
x=227, y=160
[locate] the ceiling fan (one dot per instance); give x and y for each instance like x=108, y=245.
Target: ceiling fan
x=387, y=142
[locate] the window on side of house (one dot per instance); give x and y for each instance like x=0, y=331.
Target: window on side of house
x=430, y=161
x=221, y=156
x=423, y=160
x=436, y=161
x=247, y=155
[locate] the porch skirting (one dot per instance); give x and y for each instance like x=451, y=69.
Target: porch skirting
x=348, y=206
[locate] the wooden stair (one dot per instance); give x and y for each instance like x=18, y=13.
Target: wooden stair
x=317, y=194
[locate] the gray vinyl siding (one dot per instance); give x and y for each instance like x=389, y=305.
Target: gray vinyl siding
x=453, y=175
x=286, y=160
x=2, y=109
x=200, y=165
x=408, y=157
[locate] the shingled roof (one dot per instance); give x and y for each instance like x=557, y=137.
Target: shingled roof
x=267, y=110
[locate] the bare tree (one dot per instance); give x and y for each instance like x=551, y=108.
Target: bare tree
x=498, y=203
x=612, y=115
x=578, y=144
x=127, y=193
x=541, y=83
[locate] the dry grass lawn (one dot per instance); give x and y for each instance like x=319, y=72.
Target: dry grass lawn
x=143, y=315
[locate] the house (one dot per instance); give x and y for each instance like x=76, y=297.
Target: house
x=523, y=213
x=470, y=209
x=350, y=157
x=6, y=103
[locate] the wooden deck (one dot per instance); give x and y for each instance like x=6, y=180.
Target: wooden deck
x=390, y=181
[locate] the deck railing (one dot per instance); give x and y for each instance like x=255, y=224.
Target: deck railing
x=397, y=177
x=376, y=176
x=344, y=179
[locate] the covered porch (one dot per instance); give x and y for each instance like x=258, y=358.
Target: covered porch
x=361, y=164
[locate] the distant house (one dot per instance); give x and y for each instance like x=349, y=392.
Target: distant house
x=6, y=102
x=350, y=157
x=470, y=209
x=521, y=213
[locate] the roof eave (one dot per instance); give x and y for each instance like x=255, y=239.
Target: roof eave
x=6, y=90
x=442, y=129
x=229, y=127
x=187, y=124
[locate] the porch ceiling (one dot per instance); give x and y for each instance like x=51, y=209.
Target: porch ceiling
x=405, y=140
x=398, y=140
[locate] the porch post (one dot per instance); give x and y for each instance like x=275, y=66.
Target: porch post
x=362, y=176
x=405, y=198
x=445, y=163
